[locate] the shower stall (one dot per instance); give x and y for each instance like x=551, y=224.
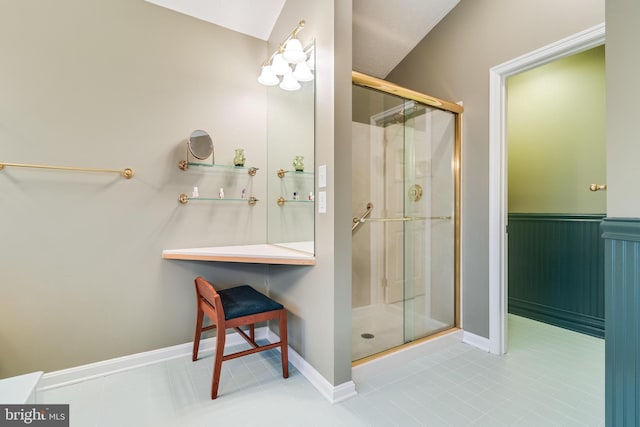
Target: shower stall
x=406, y=233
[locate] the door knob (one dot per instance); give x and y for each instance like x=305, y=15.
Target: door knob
x=596, y=187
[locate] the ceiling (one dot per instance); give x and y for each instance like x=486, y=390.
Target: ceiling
x=384, y=31
x=255, y=18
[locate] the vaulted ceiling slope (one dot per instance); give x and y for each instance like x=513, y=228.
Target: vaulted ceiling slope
x=252, y=17
x=384, y=31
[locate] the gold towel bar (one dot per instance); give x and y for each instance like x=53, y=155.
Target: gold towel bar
x=127, y=173
x=184, y=199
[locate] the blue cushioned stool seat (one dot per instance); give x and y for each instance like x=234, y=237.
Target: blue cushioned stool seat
x=245, y=301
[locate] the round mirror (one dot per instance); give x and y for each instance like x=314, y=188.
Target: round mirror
x=200, y=144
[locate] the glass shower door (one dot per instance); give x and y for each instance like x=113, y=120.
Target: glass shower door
x=404, y=189
x=429, y=216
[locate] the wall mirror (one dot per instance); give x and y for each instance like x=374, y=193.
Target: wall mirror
x=291, y=165
x=200, y=144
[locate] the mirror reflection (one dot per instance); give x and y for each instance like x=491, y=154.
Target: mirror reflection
x=290, y=157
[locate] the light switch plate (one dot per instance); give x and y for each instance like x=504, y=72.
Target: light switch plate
x=322, y=176
x=322, y=202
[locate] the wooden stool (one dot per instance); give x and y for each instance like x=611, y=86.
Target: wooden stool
x=232, y=308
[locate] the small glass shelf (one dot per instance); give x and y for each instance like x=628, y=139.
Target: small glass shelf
x=184, y=165
x=282, y=173
x=281, y=201
x=184, y=199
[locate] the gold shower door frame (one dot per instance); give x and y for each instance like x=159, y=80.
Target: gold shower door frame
x=380, y=85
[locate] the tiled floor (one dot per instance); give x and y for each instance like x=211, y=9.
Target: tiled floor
x=550, y=377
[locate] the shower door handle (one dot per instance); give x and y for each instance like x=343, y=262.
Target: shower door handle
x=358, y=221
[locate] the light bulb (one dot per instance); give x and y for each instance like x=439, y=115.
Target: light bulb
x=289, y=82
x=268, y=77
x=279, y=66
x=293, y=52
x=303, y=73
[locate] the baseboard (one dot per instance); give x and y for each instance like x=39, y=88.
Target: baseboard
x=332, y=393
x=477, y=341
x=111, y=366
x=578, y=322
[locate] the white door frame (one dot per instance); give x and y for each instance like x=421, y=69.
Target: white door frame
x=498, y=75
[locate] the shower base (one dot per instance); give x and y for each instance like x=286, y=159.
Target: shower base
x=379, y=327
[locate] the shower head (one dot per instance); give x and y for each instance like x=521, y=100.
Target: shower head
x=401, y=114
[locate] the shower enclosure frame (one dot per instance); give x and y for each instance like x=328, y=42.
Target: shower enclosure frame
x=380, y=85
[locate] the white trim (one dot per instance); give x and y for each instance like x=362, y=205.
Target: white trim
x=332, y=393
x=477, y=341
x=112, y=366
x=576, y=43
x=20, y=389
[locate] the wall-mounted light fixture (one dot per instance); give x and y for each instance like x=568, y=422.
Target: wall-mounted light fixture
x=289, y=65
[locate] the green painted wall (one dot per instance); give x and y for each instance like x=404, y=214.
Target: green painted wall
x=556, y=135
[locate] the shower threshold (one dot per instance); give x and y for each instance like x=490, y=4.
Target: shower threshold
x=412, y=349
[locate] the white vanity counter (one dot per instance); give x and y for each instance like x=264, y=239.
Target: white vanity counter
x=256, y=254
x=306, y=247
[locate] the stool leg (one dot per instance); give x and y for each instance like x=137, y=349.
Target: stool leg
x=198, y=333
x=217, y=363
x=284, y=347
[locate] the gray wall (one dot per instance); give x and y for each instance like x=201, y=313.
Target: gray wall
x=453, y=63
x=114, y=84
x=319, y=298
x=122, y=83
x=623, y=91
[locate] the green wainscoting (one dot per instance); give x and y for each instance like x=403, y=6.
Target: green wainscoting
x=556, y=270
x=622, y=302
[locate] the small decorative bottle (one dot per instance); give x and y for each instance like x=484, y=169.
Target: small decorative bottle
x=298, y=164
x=239, y=158
x=221, y=193
x=195, y=192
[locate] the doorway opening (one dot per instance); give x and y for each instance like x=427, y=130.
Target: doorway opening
x=498, y=202
x=556, y=159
